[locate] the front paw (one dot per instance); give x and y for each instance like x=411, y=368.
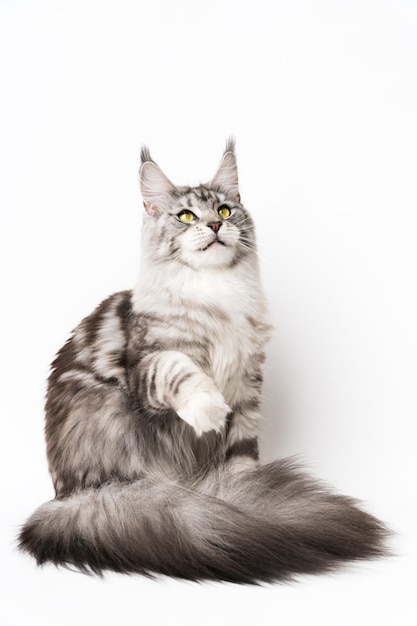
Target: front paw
x=205, y=411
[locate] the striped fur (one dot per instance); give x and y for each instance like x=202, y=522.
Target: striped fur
x=152, y=414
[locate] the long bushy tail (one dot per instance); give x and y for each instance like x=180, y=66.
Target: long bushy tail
x=267, y=524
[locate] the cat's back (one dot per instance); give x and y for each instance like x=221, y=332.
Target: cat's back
x=93, y=356
x=97, y=345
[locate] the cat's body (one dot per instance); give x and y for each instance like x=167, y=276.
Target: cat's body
x=153, y=409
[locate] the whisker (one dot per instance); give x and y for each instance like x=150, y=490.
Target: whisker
x=247, y=245
x=243, y=220
x=246, y=227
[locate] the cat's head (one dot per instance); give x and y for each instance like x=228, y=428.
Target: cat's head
x=202, y=227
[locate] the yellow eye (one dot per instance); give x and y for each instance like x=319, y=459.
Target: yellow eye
x=186, y=217
x=224, y=212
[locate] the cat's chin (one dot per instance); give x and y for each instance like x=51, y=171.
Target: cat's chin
x=214, y=244
x=216, y=254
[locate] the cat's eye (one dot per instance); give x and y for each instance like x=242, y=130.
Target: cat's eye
x=224, y=212
x=186, y=217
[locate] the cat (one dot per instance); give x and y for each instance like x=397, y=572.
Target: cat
x=152, y=415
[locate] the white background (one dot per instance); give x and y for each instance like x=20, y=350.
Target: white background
x=322, y=98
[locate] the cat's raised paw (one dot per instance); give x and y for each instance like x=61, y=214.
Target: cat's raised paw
x=205, y=411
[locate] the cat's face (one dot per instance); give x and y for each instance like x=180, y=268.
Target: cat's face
x=203, y=227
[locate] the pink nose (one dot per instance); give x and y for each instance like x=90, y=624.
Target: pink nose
x=214, y=226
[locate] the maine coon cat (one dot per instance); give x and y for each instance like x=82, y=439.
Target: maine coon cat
x=152, y=414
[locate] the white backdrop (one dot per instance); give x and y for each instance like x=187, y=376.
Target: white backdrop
x=322, y=99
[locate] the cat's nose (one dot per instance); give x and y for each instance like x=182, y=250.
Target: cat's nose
x=214, y=226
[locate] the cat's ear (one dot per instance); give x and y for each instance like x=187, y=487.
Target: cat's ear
x=156, y=188
x=226, y=177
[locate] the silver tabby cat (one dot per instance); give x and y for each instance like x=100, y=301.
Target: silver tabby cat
x=152, y=415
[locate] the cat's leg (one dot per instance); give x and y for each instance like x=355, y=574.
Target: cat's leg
x=171, y=379
x=242, y=438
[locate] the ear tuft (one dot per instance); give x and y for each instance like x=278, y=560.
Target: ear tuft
x=230, y=145
x=145, y=155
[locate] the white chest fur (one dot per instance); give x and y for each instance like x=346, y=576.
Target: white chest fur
x=235, y=303
x=226, y=308
x=231, y=357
